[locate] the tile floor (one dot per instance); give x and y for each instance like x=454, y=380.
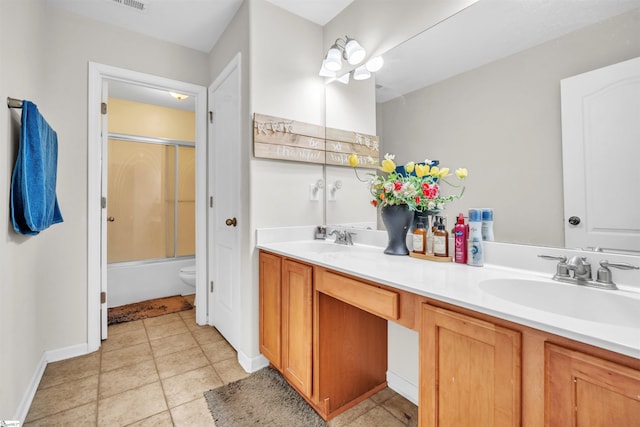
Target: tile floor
x=153, y=372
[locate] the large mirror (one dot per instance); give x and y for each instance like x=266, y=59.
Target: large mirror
x=481, y=90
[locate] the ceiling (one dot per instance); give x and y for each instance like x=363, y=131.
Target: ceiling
x=197, y=24
x=482, y=33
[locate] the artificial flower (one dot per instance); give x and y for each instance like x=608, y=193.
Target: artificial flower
x=388, y=165
x=418, y=186
x=462, y=173
x=422, y=170
x=409, y=167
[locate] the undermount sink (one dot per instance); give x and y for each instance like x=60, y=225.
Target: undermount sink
x=320, y=246
x=603, y=306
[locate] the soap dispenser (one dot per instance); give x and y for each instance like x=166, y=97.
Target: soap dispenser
x=419, y=238
x=441, y=239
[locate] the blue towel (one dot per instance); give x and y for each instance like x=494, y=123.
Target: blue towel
x=34, y=206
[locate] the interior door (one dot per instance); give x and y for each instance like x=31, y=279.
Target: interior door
x=104, y=135
x=225, y=222
x=600, y=150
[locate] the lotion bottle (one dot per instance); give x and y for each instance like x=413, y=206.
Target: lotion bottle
x=460, y=233
x=430, y=225
x=487, y=225
x=441, y=240
x=475, y=255
x=419, y=238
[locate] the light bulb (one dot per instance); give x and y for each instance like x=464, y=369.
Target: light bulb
x=354, y=52
x=333, y=62
x=361, y=73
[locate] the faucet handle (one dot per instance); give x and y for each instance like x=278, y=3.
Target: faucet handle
x=562, y=271
x=604, y=274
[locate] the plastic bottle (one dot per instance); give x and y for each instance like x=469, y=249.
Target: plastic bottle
x=430, y=225
x=475, y=255
x=460, y=233
x=487, y=225
x=419, y=238
x=441, y=240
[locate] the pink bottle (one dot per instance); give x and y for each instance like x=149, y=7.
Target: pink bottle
x=460, y=235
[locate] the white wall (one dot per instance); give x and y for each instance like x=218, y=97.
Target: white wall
x=45, y=52
x=24, y=262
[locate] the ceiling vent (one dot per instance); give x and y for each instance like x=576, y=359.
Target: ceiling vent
x=138, y=5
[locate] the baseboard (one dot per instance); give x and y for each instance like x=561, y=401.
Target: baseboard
x=252, y=364
x=47, y=357
x=29, y=394
x=66, y=352
x=403, y=387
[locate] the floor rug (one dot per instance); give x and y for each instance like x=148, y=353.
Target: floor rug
x=145, y=309
x=262, y=399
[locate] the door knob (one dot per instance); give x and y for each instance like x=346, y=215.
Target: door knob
x=574, y=220
x=110, y=219
x=231, y=222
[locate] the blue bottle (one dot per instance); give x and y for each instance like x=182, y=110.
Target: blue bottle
x=475, y=256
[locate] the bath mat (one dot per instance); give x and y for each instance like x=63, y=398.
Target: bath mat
x=146, y=309
x=262, y=399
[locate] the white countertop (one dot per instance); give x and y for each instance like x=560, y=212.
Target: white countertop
x=459, y=284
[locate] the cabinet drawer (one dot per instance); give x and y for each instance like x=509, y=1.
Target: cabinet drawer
x=373, y=299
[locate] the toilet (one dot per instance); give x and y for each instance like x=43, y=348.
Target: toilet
x=188, y=275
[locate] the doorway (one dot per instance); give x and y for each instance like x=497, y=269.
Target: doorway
x=97, y=293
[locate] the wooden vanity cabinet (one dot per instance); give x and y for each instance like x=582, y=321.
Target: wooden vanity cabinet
x=270, y=307
x=584, y=390
x=297, y=324
x=286, y=316
x=470, y=371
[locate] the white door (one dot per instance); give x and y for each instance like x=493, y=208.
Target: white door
x=104, y=136
x=225, y=222
x=601, y=155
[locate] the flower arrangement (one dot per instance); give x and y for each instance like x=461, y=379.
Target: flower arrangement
x=417, y=186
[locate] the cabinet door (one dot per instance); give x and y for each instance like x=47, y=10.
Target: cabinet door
x=270, y=308
x=583, y=390
x=297, y=303
x=469, y=371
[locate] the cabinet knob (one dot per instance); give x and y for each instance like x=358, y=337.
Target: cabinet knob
x=110, y=219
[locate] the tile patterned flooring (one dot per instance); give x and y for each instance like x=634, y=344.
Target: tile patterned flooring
x=153, y=372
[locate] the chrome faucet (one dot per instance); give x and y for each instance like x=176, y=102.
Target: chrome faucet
x=343, y=237
x=581, y=268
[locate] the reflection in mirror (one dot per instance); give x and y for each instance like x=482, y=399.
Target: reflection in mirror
x=482, y=91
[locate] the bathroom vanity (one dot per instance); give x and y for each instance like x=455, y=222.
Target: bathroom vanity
x=483, y=360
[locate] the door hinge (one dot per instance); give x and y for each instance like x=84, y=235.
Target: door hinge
x=211, y=116
x=103, y=202
x=210, y=201
x=103, y=108
x=103, y=297
x=211, y=287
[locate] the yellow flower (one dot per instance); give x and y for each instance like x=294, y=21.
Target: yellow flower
x=388, y=166
x=443, y=172
x=422, y=170
x=462, y=173
x=409, y=167
x=353, y=160
x=435, y=171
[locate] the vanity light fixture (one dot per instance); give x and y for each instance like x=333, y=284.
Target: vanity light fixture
x=178, y=96
x=348, y=49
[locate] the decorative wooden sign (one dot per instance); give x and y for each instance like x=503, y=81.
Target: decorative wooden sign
x=282, y=139
x=340, y=144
